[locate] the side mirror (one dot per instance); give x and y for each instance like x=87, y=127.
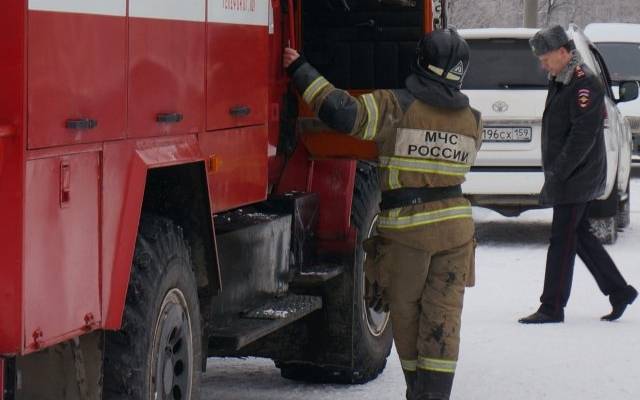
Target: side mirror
x=628, y=91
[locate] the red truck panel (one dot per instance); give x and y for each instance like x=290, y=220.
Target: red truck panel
x=166, y=73
x=238, y=166
x=124, y=172
x=12, y=111
x=61, y=270
x=76, y=71
x=237, y=55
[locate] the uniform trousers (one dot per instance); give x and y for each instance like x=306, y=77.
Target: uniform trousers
x=425, y=292
x=570, y=234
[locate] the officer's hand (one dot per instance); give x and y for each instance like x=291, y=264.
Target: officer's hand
x=289, y=56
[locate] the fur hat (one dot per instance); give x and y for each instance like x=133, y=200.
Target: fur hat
x=549, y=39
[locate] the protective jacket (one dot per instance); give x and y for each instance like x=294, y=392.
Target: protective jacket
x=573, y=148
x=427, y=136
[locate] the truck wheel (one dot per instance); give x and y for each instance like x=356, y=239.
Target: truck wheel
x=372, y=337
x=157, y=353
x=369, y=332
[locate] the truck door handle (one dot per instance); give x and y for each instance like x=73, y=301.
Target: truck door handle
x=240, y=111
x=81, y=124
x=169, y=118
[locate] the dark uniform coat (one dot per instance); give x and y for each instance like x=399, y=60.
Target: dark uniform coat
x=573, y=148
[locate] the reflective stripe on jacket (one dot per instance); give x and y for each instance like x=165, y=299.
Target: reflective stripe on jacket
x=419, y=145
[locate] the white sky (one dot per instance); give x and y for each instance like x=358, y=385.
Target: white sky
x=582, y=359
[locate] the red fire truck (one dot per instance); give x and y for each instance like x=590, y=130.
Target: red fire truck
x=165, y=197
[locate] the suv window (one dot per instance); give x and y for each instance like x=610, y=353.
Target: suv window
x=623, y=60
x=503, y=64
x=604, y=72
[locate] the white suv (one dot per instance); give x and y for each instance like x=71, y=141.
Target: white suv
x=506, y=83
x=620, y=47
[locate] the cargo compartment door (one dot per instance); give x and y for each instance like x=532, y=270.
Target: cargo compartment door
x=166, y=66
x=61, y=287
x=237, y=63
x=76, y=71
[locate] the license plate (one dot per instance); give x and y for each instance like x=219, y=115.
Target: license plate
x=506, y=134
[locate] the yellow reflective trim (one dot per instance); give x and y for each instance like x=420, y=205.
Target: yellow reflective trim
x=372, y=116
x=424, y=218
x=394, y=181
x=436, y=70
x=430, y=171
x=409, y=365
x=434, y=364
x=452, y=77
x=314, y=88
x=424, y=166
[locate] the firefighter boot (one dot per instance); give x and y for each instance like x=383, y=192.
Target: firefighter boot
x=410, y=379
x=619, y=301
x=433, y=385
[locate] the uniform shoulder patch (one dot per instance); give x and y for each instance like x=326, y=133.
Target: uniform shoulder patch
x=580, y=72
x=584, y=98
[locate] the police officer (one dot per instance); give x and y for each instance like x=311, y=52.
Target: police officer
x=574, y=163
x=427, y=137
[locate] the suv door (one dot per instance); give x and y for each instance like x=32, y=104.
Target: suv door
x=612, y=132
x=625, y=141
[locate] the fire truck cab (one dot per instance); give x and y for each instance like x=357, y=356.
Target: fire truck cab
x=166, y=197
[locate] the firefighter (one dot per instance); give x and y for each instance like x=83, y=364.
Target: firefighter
x=575, y=169
x=427, y=137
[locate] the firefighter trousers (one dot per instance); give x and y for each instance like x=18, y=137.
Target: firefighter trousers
x=425, y=292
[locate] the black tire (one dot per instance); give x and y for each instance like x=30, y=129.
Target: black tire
x=623, y=217
x=157, y=353
x=602, y=217
x=370, y=339
x=605, y=229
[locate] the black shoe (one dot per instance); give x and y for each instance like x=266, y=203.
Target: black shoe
x=619, y=301
x=539, y=317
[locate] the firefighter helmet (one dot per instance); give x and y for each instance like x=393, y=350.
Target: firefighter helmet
x=444, y=55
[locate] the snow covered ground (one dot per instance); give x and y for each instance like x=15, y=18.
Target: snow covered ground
x=584, y=358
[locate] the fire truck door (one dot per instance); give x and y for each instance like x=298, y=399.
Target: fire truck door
x=237, y=63
x=76, y=71
x=166, y=66
x=61, y=239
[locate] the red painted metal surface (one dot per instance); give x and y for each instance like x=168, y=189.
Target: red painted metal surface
x=166, y=76
x=124, y=171
x=236, y=75
x=278, y=86
x=333, y=180
x=77, y=70
x=292, y=24
x=295, y=176
x=12, y=114
x=61, y=247
x=237, y=166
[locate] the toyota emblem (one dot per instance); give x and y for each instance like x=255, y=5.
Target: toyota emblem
x=500, y=106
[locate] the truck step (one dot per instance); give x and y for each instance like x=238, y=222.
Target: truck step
x=315, y=276
x=286, y=307
x=252, y=325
